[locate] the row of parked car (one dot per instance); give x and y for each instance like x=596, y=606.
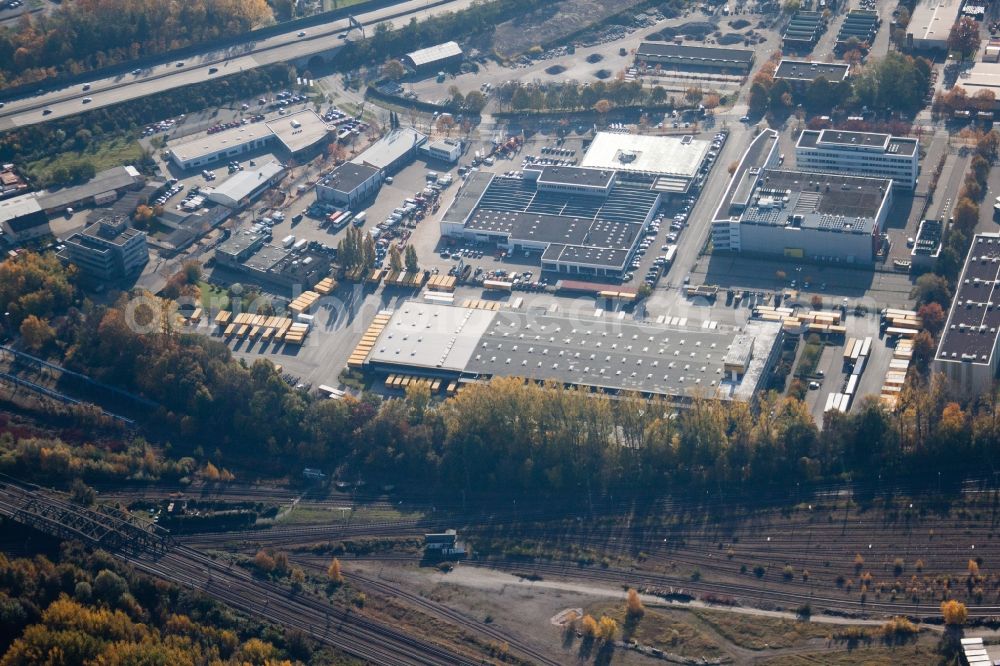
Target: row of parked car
x=215, y=129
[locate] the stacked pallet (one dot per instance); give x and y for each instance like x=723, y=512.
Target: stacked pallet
x=361, y=351
x=784, y=316
x=477, y=304
x=296, y=334
x=904, y=324
x=223, y=318
x=442, y=282
x=376, y=275
x=304, y=302
x=249, y=325
x=902, y=357
x=403, y=381
x=404, y=279
x=325, y=286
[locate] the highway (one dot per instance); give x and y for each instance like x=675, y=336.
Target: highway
x=172, y=73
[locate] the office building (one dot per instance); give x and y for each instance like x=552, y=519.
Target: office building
x=861, y=154
x=108, y=250
x=446, y=150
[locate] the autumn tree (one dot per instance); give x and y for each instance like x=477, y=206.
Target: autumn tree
x=394, y=70
x=931, y=288
x=932, y=315
x=334, y=574
x=602, y=106
x=588, y=627
x=964, y=36
x=36, y=332
x=954, y=613
x=607, y=628
x=264, y=562
x=633, y=605
x=445, y=123
x=395, y=261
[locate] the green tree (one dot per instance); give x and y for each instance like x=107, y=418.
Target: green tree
x=394, y=70
x=395, y=261
x=931, y=288
x=411, y=259
x=758, y=99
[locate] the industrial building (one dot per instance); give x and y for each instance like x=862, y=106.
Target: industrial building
x=349, y=185
x=967, y=351
x=930, y=24
x=695, y=58
x=242, y=188
x=393, y=151
x=859, y=26
x=983, y=76
x=860, y=153
x=250, y=254
x=672, y=163
x=800, y=214
x=583, y=222
x=446, y=150
x=803, y=31
x=108, y=250
x=677, y=358
x=435, y=57
x=21, y=213
x=295, y=133
x=800, y=74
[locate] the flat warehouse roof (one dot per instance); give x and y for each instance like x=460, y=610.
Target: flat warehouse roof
x=647, y=154
x=933, y=19
x=608, y=353
x=18, y=206
x=434, y=53
x=115, y=178
x=211, y=144
x=810, y=71
x=666, y=50
x=386, y=151
x=828, y=138
x=971, y=332
x=300, y=130
x=431, y=336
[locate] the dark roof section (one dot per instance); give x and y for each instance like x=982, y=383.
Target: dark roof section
x=974, y=321
x=349, y=176
x=803, y=70
x=665, y=50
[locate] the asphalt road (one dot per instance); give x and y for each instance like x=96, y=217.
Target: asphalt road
x=172, y=74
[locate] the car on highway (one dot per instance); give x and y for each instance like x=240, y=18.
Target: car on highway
x=745, y=119
x=213, y=70
x=87, y=100
x=86, y=87
x=2, y=105
x=180, y=64
x=302, y=33
x=342, y=35
x=46, y=112
x=136, y=72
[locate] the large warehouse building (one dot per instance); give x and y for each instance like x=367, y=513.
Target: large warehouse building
x=583, y=222
x=860, y=154
x=295, y=133
x=800, y=214
x=245, y=186
x=433, y=57
x=930, y=24
x=393, y=151
x=672, y=162
x=681, y=359
x=967, y=352
x=695, y=58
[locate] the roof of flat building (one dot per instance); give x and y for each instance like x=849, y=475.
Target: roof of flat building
x=244, y=183
x=115, y=178
x=682, y=359
x=831, y=138
x=599, y=178
x=970, y=334
x=206, y=145
x=19, y=206
x=744, y=179
x=299, y=130
x=933, y=19
x=804, y=70
x=431, y=336
x=679, y=156
x=708, y=53
x=825, y=202
x=349, y=176
x=266, y=258
x=387, y=150
x=434, y=53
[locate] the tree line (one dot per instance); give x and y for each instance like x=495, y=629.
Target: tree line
x=87, y=608
x=508, y=436
x=895, y=82
x=81, y=36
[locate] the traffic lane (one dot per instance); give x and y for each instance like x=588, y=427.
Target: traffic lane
x=280, y=48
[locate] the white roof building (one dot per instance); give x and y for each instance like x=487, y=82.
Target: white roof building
x=246, y=185
x=433, y=54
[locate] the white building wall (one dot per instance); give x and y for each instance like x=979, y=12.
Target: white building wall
x=902, y=169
